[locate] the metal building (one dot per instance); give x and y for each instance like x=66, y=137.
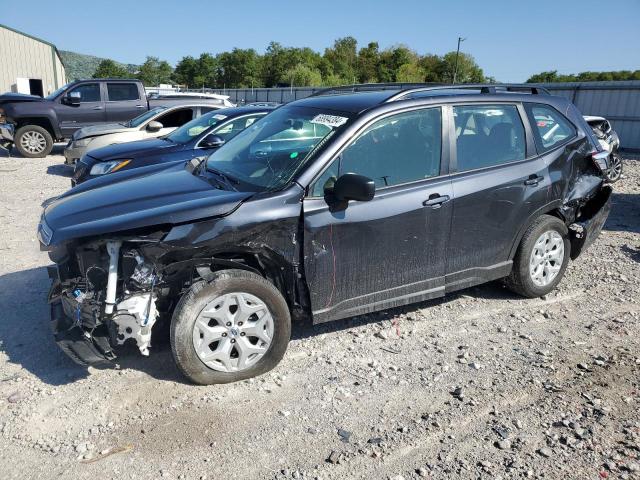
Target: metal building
x=28, y=64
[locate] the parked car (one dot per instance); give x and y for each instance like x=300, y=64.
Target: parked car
x=609, y=140
x=192, y=139
x=39, y=122
x=157, y=122
x=401, y=196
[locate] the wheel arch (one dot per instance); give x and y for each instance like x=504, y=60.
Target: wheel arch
x=44, y=122
x=554, y=209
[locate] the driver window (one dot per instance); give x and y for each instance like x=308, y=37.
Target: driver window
x=398, y=149
x=89, y=92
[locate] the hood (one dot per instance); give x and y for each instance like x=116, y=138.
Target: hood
x=19, y=97
x=155, y=146
x=96, y=130
x=167, y=197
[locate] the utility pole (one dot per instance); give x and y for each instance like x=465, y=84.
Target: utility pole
x=455, y=71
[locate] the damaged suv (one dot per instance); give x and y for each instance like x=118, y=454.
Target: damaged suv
x=329, y=207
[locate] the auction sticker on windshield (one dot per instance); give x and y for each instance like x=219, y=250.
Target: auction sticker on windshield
x=332, y=121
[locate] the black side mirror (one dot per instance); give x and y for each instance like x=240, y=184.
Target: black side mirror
x=212, y=141
x=73, y=98
x=352, y=186
x=154, y=126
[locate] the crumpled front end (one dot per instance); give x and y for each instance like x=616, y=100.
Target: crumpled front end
x=104, y=293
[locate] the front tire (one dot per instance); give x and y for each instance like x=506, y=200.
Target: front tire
x=33, y=141
x=541, y=259
x=233, y=327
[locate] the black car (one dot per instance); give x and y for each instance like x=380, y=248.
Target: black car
x=191, y=140
x=329, y=207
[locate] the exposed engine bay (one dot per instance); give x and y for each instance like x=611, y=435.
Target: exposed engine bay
x=107, y=293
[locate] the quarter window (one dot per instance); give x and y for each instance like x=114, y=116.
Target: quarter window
x=398, y=149
x=488, y=135
x=89, y=92
x=551, y=127
x=119, y=92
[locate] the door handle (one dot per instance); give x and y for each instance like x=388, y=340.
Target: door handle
x=436, y=200
x=533, y=180
x=97, y=108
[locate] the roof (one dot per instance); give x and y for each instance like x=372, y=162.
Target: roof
x=236, y=111
x=35, y=38
x=345, y=99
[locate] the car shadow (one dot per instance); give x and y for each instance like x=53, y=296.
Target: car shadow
x=61, y=170
x=25, y=335
x=625, y=214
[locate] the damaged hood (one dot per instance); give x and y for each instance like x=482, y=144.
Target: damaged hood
x=97, y=130
x=164, y=198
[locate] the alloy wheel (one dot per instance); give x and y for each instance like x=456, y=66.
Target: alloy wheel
x=33, y=142
x=546, y=258
x=615, y=171
x=233, y=332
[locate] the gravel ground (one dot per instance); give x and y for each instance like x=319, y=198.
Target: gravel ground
x=482, y=384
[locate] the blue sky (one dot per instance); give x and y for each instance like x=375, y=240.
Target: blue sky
x=509, y=39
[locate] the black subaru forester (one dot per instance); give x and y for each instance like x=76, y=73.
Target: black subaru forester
x=328, y=207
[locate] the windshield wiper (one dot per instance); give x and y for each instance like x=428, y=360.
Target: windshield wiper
x=227, y=179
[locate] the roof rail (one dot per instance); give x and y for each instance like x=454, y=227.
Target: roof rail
x=371, y=87
x=486, y=88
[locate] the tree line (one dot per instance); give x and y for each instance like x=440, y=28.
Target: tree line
x=343, y=63
x=554, y=76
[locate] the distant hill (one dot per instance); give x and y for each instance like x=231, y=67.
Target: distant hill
x=79, y=66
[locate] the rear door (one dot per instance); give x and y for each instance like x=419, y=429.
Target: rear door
x=90, y=111
x=498, y=182
x=364, y=256
x=124, y=101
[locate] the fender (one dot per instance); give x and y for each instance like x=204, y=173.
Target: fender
x=22, y=112
x=553, y=206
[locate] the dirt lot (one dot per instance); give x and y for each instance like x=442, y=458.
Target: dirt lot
x=482, y=384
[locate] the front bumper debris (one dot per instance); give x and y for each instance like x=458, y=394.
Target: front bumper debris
x=73, y=341
x=594, y=215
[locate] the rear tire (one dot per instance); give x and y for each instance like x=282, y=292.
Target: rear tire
x=615, y=171
x=218, y=299
x=33, y=141
x=541, y=259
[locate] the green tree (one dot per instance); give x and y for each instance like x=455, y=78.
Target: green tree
x=239, y=68
x=468, y=69
x=368, y=63
x=343, y=58
x=110, y=69
x=303, y=76
x=410, y=73
x=154, y=71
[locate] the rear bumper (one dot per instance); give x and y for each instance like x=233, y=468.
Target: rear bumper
x=593, y=217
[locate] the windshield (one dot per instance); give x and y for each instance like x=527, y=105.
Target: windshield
x=195, y=127
x=53, y=95
x=140, y=119
x=266, y=155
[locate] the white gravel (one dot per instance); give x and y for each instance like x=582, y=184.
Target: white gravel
x=482, y=384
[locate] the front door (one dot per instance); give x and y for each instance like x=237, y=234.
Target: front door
x=364, y=256
x=90, y=111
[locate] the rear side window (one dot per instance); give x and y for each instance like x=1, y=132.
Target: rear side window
x=176, y=118
x=551, y=128
x=398, y=149
x=488, y=135
x=89, y=92
x=122, y=91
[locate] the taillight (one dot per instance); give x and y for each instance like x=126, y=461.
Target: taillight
x=601, y=159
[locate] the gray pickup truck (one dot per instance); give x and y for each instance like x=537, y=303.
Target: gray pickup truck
x=33, y=123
